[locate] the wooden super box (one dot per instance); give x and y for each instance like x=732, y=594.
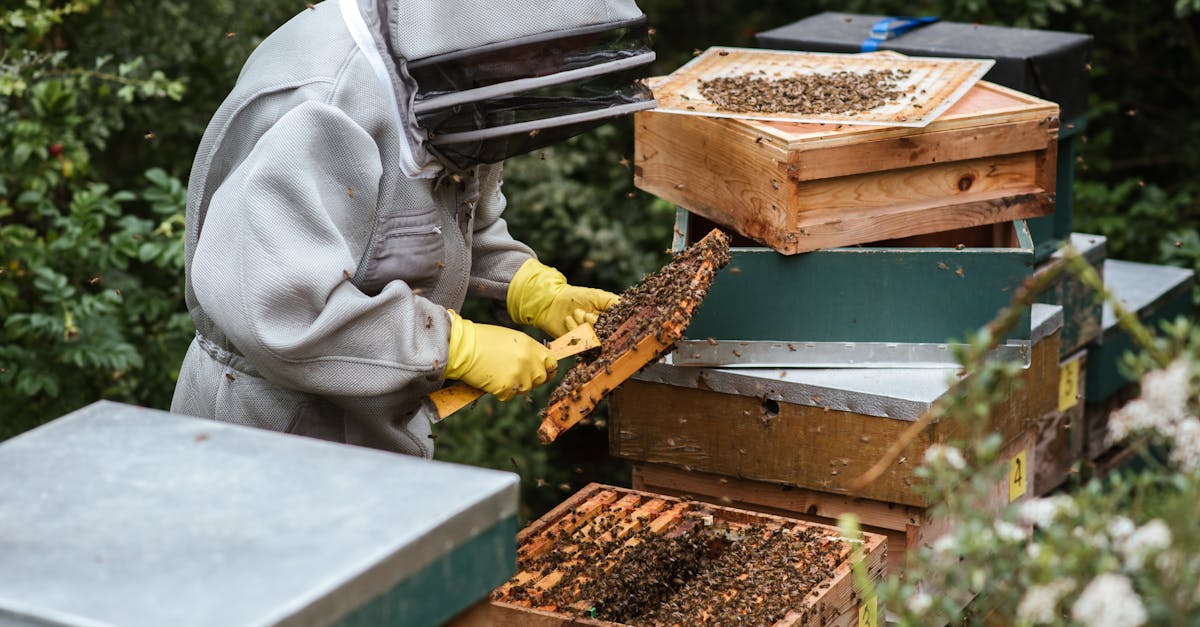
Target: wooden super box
x=801, y=187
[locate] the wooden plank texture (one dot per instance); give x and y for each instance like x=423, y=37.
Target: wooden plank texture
x=905, y=526
x=1060, y=433
x=804, y=187
x=801, y=445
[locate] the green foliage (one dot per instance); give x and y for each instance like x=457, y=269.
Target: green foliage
x=1144, y=221
x=90, y=291
x=204, y=43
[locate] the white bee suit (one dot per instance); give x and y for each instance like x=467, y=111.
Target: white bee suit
x=327, y=236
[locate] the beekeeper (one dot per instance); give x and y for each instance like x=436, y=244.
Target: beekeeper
x=346, y=199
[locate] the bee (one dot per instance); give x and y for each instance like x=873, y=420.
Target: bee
x=350, y=192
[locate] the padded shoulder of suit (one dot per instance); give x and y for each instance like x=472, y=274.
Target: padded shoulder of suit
x=312, y=45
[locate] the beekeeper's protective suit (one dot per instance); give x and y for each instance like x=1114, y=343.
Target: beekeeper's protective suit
x=345, y=200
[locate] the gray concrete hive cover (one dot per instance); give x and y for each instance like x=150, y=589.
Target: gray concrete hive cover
x=118, y=515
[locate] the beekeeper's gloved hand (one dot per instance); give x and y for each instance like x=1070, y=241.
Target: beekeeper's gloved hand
x=539, y=295
x=496, y=359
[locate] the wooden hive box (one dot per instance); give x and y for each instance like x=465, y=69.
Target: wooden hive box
x=801, y=187
x=814, y=429
x=898, y=303
x=1155, y=294
x=1060, y=437
x=1082, y=309
x=905, y=526
x=617, y=532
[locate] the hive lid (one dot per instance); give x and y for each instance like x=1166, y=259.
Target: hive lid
x=898, y=393
x=119, y=515
x=1141, y=287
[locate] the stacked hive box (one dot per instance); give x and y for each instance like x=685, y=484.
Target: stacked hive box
x=1060, y=440
x=788, y=440
x=1048, y=64
x=1153, y=293
x=859, y=253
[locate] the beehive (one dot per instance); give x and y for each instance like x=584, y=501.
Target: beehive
x=1154, y=294
x=900, y=303
x=905, y=526
x=121, y=515
x=1060, y=432
x=1082, y=309
x=801, y=187
x=610, y=556
x=815, y=429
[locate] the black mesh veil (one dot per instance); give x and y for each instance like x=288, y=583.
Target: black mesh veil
x=485, y=105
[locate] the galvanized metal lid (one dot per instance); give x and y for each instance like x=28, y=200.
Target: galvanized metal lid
x=1141, y=287
x=119, y=515
x=899, y=393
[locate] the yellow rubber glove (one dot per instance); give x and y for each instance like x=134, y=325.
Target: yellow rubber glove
x=539, y=295
x=496, y=359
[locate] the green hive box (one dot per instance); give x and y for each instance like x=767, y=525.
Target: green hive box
x=896, y=304
x=1052, y=231
x=1155, y=293
x=119, y=515
x=1053, y=65
x=1082, y=310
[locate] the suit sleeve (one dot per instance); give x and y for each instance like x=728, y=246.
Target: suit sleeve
x=273, y=269
x=496, y=256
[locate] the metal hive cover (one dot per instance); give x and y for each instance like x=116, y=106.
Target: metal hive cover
x=931, y=87
x=118, y=515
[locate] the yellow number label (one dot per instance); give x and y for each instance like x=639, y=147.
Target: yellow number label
x=1018, y=477
x=868, y=612
x=1068, y=386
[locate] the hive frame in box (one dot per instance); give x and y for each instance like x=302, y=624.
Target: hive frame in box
x=832, y=603
x=972, y=283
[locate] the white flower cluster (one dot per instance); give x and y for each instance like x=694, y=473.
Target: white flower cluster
x=1163, y=408
x=1152, y=537
x=1109, y=601
x=939, y=454
x=1041, y=512
x=1039, y=605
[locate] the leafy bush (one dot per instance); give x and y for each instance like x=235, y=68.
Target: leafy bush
x=90, y=291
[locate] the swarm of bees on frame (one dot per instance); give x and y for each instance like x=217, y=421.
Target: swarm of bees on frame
x=699, y=567
x=661, y=303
